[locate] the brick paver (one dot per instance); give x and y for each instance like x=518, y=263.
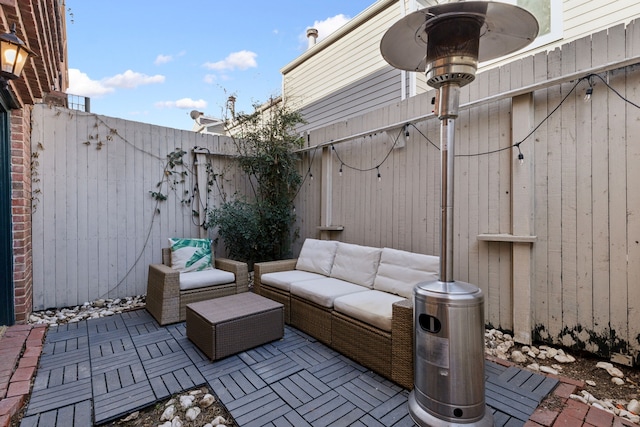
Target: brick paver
x=544, y=416
x=16, y=373
x=598, y=417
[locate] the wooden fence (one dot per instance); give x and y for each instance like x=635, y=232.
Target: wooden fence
x=96, y=225
x=552, y=242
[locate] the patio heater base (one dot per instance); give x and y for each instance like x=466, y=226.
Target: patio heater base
x=423, y=418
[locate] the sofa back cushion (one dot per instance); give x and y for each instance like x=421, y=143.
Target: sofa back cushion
x=356, y=264
x=400, y=271
x=316, y=256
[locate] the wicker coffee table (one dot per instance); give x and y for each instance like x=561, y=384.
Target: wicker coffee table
x=224, y=326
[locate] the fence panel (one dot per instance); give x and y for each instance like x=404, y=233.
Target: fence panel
x=96, y=227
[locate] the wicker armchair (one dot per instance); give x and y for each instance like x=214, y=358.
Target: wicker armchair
x=167, y=303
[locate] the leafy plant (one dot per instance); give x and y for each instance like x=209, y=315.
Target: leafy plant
x=259, y=227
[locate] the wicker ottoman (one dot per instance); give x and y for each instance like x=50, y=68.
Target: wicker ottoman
x=224, y=326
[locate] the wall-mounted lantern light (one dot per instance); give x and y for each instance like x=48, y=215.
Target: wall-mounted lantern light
x=13, y=55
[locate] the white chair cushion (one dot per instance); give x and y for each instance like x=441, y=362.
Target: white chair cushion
x=191, y=254
x=399, y=271
x=284, y=279
x=201, y=279
x=316, y=256
x=356, y=264
x=374, y=308
x=324, y=291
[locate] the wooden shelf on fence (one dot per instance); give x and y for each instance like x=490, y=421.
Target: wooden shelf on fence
x=506, y=238
x=331, y=227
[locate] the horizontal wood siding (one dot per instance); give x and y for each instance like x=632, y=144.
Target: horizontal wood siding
x=353, y=57
x=367, y=94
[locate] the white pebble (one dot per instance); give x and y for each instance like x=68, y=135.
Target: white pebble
x=168, y=413
x=578, y=398
x=604, y=365
x=186, y=401
x=615, y=372
x=548, y=370
x=218, y=420
x=518, y=357
x=617, y=381
x=634, y=406
x=207, y=400
x=591, y=383
x=631, y=417
x=192, y=413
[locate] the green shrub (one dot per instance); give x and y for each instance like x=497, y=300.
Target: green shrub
x=258, y=227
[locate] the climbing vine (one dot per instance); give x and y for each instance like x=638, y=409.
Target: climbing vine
x=177, y=179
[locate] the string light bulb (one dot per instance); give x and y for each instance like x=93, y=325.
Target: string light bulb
x=589, y=91
x=340, y=171
x=520, y=155
x=379, y=177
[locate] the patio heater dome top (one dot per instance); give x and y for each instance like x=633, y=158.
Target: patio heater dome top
x=448, y=40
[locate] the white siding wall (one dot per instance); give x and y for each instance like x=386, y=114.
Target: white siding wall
x=340, y=65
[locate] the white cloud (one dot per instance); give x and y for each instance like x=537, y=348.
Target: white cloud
x=210, y=78
x=81, y=84
x=131, y=79
x=184, y=103
x=163, y=59
x=241, y=60
x=326, y=27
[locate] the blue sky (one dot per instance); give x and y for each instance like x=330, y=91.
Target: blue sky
x=154, y=61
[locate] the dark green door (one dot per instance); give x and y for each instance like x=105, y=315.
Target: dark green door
x=7, y=308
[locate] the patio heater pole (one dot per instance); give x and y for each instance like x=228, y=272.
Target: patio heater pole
x=449, y=95
x=446, y=42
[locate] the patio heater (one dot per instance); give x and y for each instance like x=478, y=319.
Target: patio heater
x=446, y=42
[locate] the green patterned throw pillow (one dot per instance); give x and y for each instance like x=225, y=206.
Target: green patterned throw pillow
x=191, y=254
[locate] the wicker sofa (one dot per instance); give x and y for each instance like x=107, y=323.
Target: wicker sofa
x=167, y=297
x=356, y=299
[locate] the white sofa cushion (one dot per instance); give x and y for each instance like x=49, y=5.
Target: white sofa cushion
x=374, y=308
x=324, y=291
x=356, y=264
x=201, y=279
x=284, y=279
x=316, y=256
x=399, y=271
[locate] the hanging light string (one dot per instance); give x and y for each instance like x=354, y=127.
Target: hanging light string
x=589, y=92
x=307, y=175
x=376, y=167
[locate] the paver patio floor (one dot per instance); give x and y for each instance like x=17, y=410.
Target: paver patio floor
x=95, y=371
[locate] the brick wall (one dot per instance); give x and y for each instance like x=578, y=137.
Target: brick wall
x=21, y=212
